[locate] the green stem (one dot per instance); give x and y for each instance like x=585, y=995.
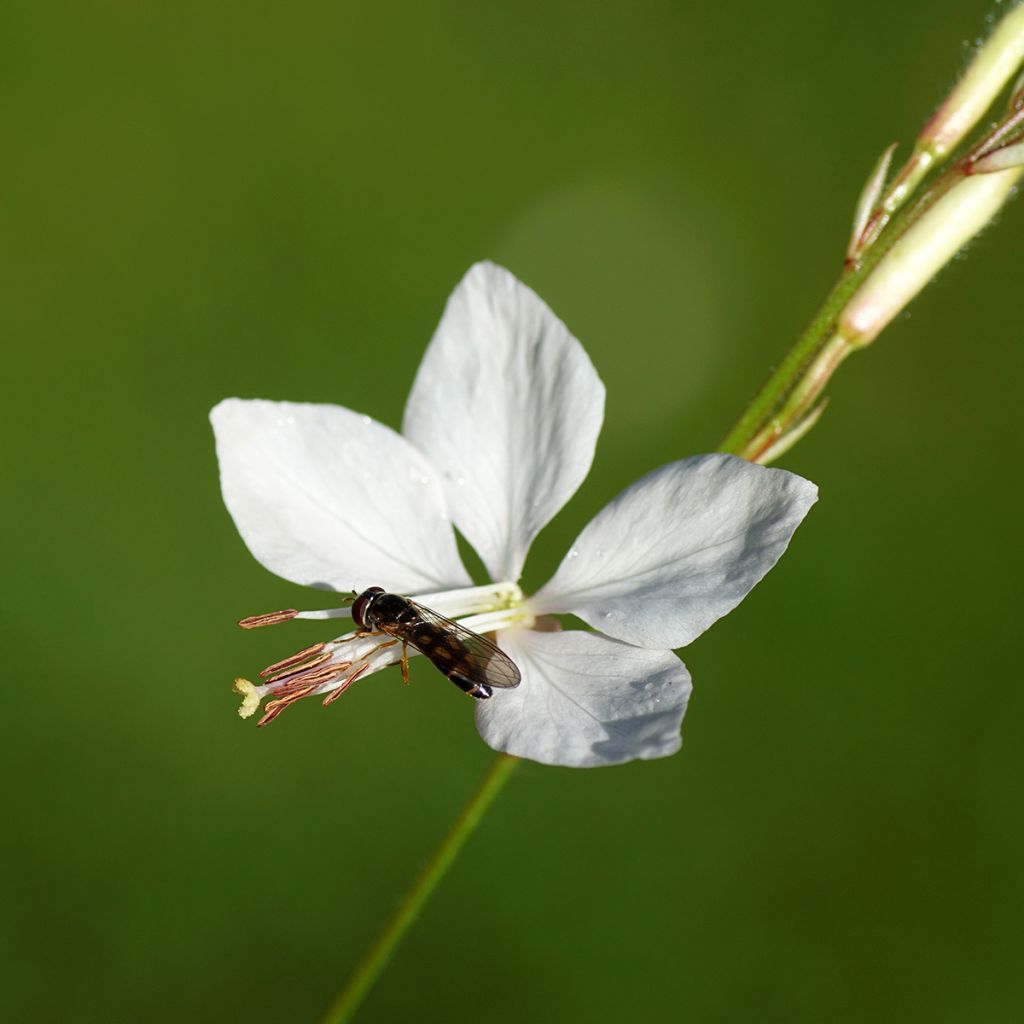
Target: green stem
x=349, y=999
x=789, y=394
x=771, y=399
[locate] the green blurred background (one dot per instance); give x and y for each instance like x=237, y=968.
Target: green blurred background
x=266, y=200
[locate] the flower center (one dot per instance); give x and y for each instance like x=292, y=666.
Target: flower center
x=476, y=608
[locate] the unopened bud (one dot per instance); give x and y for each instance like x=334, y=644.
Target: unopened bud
x=1000, y=160
x=1017, y=93
x=867, y=200
x=922, y=252
x=998, y=59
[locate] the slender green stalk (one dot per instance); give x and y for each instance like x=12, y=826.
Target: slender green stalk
x=349, y=999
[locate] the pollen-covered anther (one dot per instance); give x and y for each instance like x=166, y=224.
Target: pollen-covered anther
x=269, y=618
x=345, y=684
x=312, y=675
x=295, y=659
x=297, y=667
x=275, y=707
x=300, y=685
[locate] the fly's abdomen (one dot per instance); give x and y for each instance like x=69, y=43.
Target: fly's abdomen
x=451, y=657
x=440, y=647
x=479, y=690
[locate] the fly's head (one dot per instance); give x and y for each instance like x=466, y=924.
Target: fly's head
x=362, y=605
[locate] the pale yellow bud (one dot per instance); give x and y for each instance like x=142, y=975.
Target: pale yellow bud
x=1000, y=159
x=922, y=252
x=996, y=62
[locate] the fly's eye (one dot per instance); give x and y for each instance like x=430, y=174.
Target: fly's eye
x=361, y=603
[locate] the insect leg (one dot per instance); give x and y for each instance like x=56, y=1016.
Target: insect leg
x=405, y=662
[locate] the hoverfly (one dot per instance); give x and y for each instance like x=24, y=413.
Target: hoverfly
x=470, y=661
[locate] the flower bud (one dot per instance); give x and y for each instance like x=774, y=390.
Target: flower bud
x=996, y=62
x=867, y=200
x=1000, y=159
x=920, y=253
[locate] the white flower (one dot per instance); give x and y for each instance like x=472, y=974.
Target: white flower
x=498, y=433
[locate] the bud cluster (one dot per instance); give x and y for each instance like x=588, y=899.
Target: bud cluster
x=906, y=228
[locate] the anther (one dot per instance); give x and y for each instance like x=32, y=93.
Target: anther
x=346, y=683
x=268, y=619
x=306, y=652
x=300, y=686
x=297, y=669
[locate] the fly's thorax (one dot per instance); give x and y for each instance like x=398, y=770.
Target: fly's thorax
x=391, y=611
x=377, y=611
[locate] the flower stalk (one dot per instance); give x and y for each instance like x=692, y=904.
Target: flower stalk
x=350, y=998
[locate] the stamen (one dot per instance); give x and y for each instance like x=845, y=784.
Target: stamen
x=315, y=675
x=306, y=652
x=335, y=694
x=466, y=600
x=298, y=669
x=275, y=707
x=327, y=613
x=488, y=622
x=303, y=684
x=268, y=619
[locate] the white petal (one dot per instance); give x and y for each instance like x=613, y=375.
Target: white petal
x=328, y=498
x=586, y=701
x=508, y=405
x=678, y=549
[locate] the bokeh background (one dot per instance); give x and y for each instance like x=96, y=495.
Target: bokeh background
x=274, y=200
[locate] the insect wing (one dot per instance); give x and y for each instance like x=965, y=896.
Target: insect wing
x=456, y=650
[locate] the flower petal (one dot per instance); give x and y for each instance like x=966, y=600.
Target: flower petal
x=508, y=405
x=586, y=700
x=328, y=498
x=678, y=549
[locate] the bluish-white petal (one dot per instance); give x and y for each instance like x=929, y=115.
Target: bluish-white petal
x=328, y=498
x=586, y=700
x=508, y=405
x=678, y=549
